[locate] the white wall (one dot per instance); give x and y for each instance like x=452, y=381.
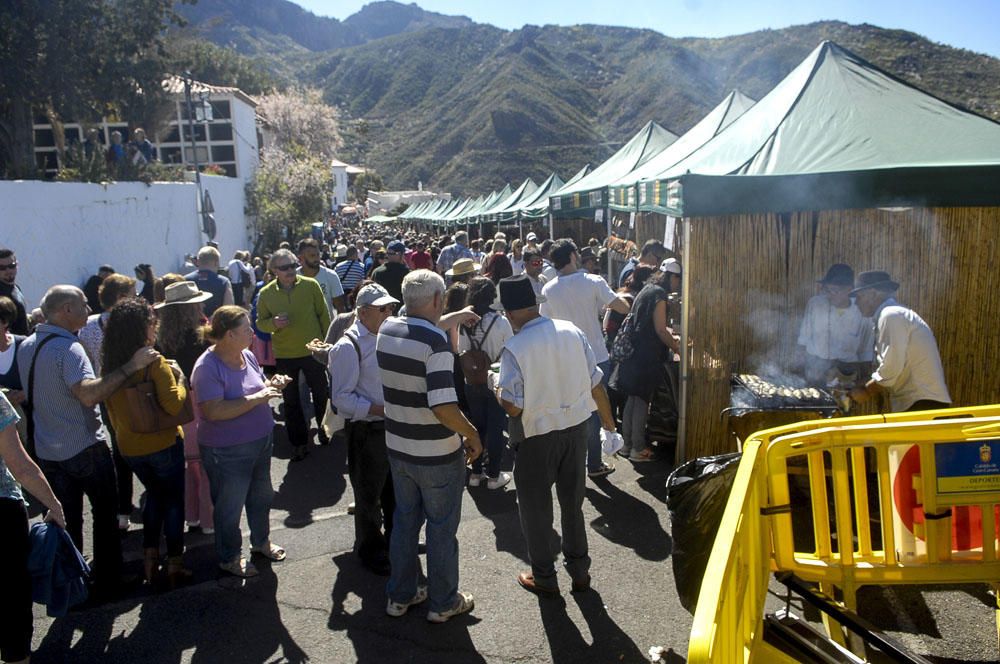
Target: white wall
x=339, y=176
x=244, y=138
x=61, y=231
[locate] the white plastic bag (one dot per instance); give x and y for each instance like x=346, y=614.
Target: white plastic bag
x=332, y=422
x=611, y=441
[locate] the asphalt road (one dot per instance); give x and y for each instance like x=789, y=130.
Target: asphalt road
x=320, y=605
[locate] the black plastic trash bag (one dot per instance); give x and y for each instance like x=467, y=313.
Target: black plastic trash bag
x=697, y=492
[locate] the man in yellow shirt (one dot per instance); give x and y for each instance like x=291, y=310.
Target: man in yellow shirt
x=293, y=309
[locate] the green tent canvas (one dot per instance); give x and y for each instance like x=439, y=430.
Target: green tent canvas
x=836, y=133
x=581, y=198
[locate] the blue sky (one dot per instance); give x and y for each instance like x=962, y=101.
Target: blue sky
x=971, y=24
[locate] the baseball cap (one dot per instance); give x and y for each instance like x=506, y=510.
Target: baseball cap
x=670, y=265
x=374, y=295
x=396, y=247
x=530, y=237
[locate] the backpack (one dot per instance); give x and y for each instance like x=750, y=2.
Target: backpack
x=624, y=345
x=475, y=362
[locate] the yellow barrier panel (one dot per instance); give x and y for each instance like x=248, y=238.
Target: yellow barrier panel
x=848, y=466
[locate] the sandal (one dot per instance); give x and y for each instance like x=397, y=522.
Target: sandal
x=645, y=455
x=271, y=552
x=240, y=567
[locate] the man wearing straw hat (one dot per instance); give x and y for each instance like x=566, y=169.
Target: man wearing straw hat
x=550, y=380
x=907, y=362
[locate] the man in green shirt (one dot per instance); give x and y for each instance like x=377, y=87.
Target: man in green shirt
x=293, y=309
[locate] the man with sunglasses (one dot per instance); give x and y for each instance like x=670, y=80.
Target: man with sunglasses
x=8, y=288
x=293, y=310
x=390, y=274
x=834, y=331
x=357, y=396
x=533, y=266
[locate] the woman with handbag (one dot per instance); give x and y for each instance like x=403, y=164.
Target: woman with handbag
x=480, y=345
x=235, y=426
x=181, y=338
x=648, y=337
x=146, y=413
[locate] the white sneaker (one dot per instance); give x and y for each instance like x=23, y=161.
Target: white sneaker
x=463, y=604
x=475, y=479
x=397, y=609
x=123, y=522
x=498, y=482
x=208, y=531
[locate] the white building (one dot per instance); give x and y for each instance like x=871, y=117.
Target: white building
x=228, y=140
x=342, y=175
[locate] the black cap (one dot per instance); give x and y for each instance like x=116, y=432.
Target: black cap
x=839, y=274
x=874, y=279
x=517, y=293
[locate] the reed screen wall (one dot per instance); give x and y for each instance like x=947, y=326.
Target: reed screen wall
x=751, y=276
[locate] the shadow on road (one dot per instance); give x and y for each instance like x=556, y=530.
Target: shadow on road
x=357, y=609
x=628, y=521
x=567, y=644
x=315, y=482
x=500, y=507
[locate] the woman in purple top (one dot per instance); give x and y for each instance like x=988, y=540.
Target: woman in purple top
x=234, y=434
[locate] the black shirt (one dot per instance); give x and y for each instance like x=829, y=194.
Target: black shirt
x=390, y=277
x=20, y=324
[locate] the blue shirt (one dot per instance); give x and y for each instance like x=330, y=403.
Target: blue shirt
x=64, y=427
x=355, y=386
x=450, y=254
x=9, y=488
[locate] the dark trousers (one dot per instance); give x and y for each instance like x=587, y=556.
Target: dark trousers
x=927, y=404
x=315, y=375
x=374, y=499
x=122, y=470
x=162, y=473
x=560, y=458
x=90, y=473
x=16, y=626
x=490, y=421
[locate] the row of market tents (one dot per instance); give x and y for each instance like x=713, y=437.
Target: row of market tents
x=840, y=162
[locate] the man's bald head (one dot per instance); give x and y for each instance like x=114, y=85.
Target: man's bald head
x=56, y=298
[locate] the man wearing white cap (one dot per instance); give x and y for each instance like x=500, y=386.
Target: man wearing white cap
x=356, y=393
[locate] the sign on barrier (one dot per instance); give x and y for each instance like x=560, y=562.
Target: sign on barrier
x=968, y=467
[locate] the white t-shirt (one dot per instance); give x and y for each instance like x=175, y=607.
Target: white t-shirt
x=517, y=264
x=330, y=283
x=237, y=269
x=832, y=333
x=579, y=298
x=500, y=332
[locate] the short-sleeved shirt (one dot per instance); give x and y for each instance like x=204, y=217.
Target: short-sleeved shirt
x=64, y=427
x=835, y=333
x=579, y=298
x=213, y=379
x=9, y=488
x=350, y=273
x=329, y=282
x=417, y=368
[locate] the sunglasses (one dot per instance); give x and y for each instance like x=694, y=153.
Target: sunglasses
x=286, y=268
x=384, y=309
x=535, y=263
x=9, y=266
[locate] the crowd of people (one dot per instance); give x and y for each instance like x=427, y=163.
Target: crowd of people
x=435, y=361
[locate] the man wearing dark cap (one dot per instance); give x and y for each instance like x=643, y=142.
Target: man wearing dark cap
x=390, y=274
x=833, y=331
x=907, y=362
x=550, y=381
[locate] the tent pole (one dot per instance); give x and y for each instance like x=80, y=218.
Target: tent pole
x=607, y=238
x=680, y=453
x=550, y=225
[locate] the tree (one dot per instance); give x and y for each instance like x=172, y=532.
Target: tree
x=218, y=65
x=79, y=59
x=365, y=182
x=287, y=193
x=300, y=122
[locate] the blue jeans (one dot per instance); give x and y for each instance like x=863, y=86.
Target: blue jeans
x=490, y=421
x=431, y=492
x=162, y=473
x=594, y=460
x=240, y=476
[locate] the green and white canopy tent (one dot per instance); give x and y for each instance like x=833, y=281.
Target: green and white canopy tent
x=836, y=133
x=622, y=193
x=590, y=193
x=536, y=206
x=504, y=209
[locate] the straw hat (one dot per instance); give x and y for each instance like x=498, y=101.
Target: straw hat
x=182, y=292
x=463, y=266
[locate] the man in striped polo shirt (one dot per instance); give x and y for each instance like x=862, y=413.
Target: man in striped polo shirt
x=350, y=271
x=423, y=423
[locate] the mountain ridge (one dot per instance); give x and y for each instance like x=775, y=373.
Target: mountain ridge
x=466, y=107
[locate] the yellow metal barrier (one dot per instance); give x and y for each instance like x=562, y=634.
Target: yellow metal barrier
x=847, y=465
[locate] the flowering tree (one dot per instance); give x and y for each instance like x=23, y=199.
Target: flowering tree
x=287, y=193
x=299, y=122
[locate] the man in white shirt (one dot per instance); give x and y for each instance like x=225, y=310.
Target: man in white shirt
x=550, y=380
x=533, y=265
x=356, y=393
x=833, y=331
x=581, y=298
x=907, y=362
x=311, y=265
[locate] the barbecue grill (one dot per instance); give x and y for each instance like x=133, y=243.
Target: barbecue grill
x=758, y=403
